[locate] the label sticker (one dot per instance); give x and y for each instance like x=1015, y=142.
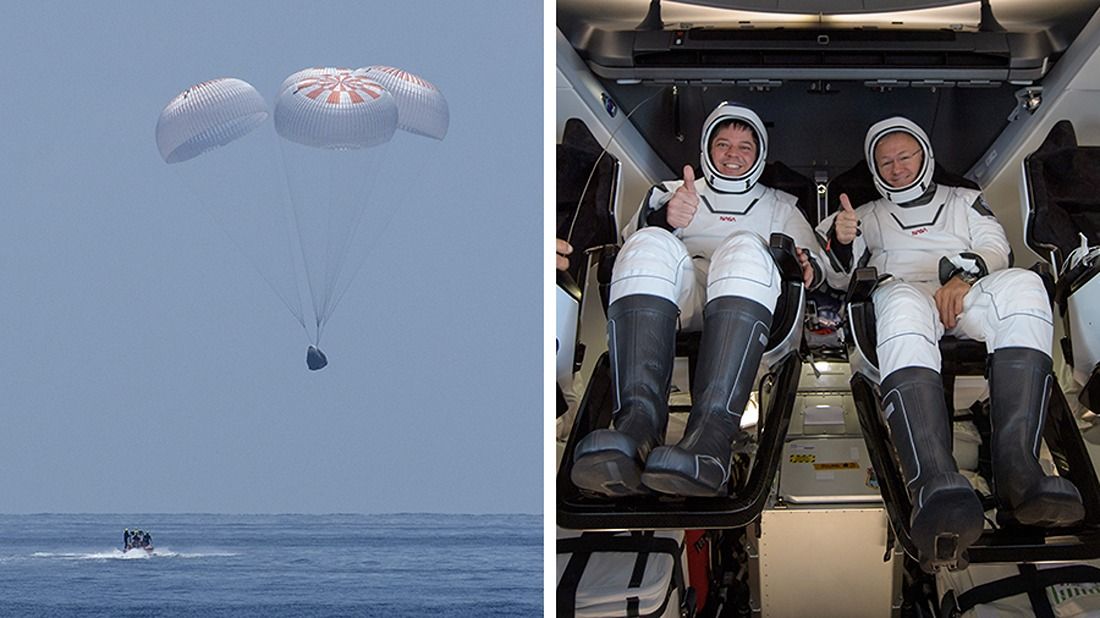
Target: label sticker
x=846, y=465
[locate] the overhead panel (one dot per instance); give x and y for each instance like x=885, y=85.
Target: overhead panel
x=855, y=54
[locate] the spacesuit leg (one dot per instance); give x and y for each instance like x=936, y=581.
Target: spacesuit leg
x=947, y=516
x=1011, y=311
x=655, y=263
x=908, y=327
x=652, y=273
x=742, y=288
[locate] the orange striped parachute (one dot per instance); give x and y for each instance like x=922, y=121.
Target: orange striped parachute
x=420, y=105
x=332, y=127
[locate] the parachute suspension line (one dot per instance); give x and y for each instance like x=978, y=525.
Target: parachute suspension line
x=337, y=238
x=386, y=219
x=310, y=339
x=358, y=113
x=223, y=225
x=288, y=243
x=297, y=224
x=296, y=310
x=342, y=220
x=339, y=289
x=297, y=313
x=584, y=191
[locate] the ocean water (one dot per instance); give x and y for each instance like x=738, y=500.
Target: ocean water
x=272, y=565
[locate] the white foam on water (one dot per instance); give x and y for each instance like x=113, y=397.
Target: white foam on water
x=134, y=554
x=209, y=554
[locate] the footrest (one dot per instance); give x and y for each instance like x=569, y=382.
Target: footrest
x=582, y=510
x=947, y=551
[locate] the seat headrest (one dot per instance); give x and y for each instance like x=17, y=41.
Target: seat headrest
x=584, y=195
x=1063, y=201
x=778, y=175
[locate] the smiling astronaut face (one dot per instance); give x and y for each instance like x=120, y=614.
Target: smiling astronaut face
x=898, y=157
x=733, y=150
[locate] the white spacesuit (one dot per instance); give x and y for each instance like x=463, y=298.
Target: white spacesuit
x=716, y=274
x=919, y=237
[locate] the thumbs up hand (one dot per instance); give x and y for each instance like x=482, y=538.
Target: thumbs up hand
x=846, y=224
x=684, y=202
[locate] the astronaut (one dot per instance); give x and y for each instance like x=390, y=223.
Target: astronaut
x=945, y=260
x=693, y=242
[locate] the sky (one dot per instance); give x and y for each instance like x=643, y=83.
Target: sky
x=147, y=367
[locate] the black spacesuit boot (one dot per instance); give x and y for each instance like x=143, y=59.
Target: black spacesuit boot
x=1020, y=381
x=641, y=334
x=947, y=515
x=735, y=333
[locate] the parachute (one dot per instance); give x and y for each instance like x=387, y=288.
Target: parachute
x=335, y=109
x=206, y=116
x=421, y=107
x=332, y=127
x=211, y=135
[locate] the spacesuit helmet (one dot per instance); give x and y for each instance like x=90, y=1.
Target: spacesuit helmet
x=923, y=179
x=733, y=184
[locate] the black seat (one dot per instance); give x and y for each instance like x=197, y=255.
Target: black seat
x=1060, y=180
x=750, y=480
x=586, y=185
x=1006, y=544
x=778, y=175
x=587, y=177
x=775, y=175
x=962, y=357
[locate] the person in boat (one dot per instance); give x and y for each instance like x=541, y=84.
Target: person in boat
x=943, y=260
x=146, y=540
x=695, y=258
x=126, y=539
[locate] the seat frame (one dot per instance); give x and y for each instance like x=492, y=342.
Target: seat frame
x=750, y=482
x=1006, y=543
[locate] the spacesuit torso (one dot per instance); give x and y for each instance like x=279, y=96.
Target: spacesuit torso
x=762, y=211
x=907, y=241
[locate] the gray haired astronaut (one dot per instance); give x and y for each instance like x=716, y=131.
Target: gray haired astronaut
x=946, y=262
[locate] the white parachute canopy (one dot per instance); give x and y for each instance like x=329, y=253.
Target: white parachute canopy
x=334, y=124
x=421, y=108
x=206, y=116
x=214, y=137
x=335, y=109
